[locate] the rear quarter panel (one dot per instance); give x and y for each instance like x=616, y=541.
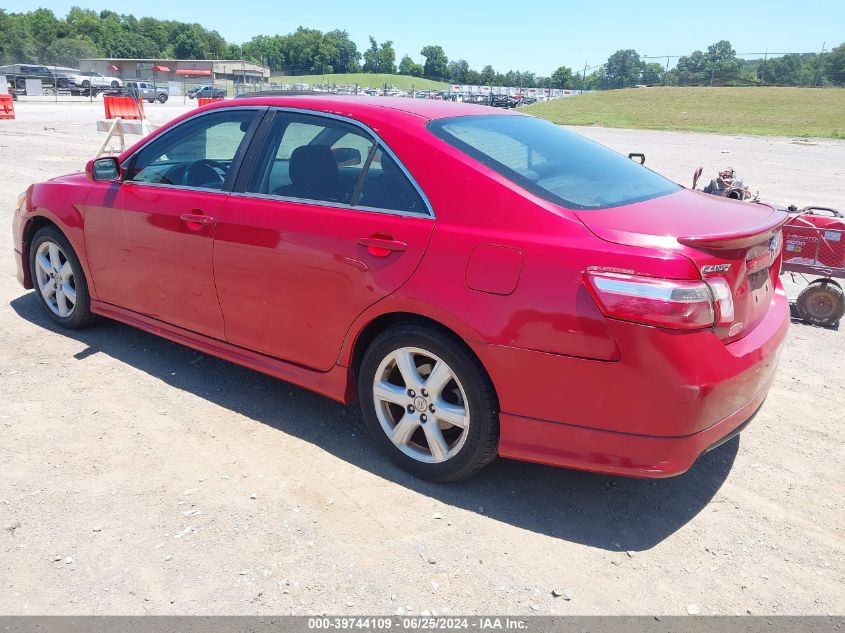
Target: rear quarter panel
x=549, y=308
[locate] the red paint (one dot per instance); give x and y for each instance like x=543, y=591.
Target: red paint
x=287, y=288
x=494, y=269
x=150, y=251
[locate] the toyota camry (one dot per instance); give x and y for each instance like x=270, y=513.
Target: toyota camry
x=484, y=283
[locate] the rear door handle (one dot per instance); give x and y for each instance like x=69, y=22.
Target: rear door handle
x=196, y=218
x=382, y=246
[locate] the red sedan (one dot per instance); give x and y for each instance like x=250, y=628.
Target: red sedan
x=484, y=283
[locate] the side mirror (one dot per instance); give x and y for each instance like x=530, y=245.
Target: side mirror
x=634, y=155
x=346, y=156
x=103, y=169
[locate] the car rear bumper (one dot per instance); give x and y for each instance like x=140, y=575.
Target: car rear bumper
x=651, y=414
x=608, y=452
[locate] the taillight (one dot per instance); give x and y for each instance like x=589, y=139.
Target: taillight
x=685, y=305
x=724, y=300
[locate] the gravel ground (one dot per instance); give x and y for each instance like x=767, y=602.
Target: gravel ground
x=139, y=476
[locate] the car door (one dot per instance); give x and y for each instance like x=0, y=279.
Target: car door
x=149, y=238
x=312, y=236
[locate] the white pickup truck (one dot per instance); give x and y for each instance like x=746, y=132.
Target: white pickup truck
x=148, y=91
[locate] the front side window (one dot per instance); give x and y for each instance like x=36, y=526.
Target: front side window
x=197, y=153
x=318, y=158
x=551, y=162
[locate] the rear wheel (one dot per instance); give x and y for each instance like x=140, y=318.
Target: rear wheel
x=428, y=403
x=115, y=84
x=822, y=302
x=59, y=280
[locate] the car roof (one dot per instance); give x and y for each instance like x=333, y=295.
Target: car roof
x=424, y=108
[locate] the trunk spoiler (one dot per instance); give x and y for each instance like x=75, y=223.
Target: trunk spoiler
x=741, y=238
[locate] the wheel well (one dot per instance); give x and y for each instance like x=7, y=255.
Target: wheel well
x=32, y=227
x=386, y=321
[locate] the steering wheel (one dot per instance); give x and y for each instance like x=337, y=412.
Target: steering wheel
x=203, y=173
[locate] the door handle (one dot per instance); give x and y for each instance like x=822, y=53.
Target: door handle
x=380, y=245
x=196, y=218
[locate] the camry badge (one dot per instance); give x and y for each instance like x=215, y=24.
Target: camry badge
x=715, y=268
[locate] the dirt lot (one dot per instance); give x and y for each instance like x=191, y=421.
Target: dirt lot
x=141, y=477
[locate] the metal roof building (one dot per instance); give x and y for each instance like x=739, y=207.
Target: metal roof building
x=190, y=70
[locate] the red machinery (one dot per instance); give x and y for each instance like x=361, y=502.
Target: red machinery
x=814, y=244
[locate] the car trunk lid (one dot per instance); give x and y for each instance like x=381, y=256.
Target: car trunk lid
x=737, y=241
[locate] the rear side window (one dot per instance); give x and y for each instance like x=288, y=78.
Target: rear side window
x=386, y=186
x=551, y=162
x=310, y=157
x=323, y=159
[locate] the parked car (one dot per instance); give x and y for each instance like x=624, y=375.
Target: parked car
x=148, y=91
x=207, y=92
x=91, y=79
x=482, y=283
x=17, y=74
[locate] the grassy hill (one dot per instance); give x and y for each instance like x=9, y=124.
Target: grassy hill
x=365, y=80
x=802, y=112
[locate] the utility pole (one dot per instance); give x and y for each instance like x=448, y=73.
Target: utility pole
x=584, y=77
x=666, y=72
x=819, y=69
x=765, y=59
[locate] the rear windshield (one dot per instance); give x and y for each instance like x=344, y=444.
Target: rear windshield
x=551, y=162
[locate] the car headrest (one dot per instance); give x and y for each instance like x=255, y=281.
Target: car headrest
x=313, y=167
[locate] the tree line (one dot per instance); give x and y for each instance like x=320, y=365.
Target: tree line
x=720, y=66
x=39, y=36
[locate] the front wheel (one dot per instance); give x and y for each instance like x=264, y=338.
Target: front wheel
x=822, y=303
x=162, y=98
x=428, y=403
x=59, y=280
x=115, y=84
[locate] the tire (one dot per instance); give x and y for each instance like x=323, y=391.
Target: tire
x=86, y=83
x=465, y=394
x=115, y=84
x=46, y=242
x=190, y=96
x=20, y=82
x=162, y=98
x=150, y=100
x=62, y=83
x=822, y=303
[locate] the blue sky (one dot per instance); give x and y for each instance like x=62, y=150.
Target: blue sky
x=537, y=36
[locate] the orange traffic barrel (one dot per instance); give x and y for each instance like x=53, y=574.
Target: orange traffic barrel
x=7, y=107
x=123, y=107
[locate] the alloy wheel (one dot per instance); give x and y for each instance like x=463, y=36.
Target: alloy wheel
x=421, y=405
x=54, y=274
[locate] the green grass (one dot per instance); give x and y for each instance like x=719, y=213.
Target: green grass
x=364, y=80
x=796, y=112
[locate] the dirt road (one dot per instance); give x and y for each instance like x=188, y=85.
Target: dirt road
x=139, y=476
